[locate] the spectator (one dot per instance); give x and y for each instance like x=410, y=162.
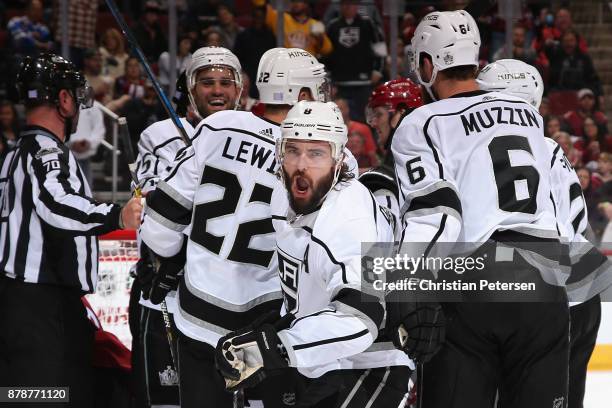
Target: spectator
x=92, y=69
x=9, y=127
x=356, y=144
x=589, y=185
x=408, y=27
x=28, y=34
x=142, y=112
x=212, y=38
x=603, y=193
x=604, y=168
x=300, y=30
x=369, y=144
x=584, y=176
x=113, y=53
x=594, y=141
x=204, y=13
x=82, y=18
x=252, y=43
x=131, y=83
x=586, y=109
x=565, y=141
x=366, y=9
x=228, y=27
x=246, y=103
x=356, y=40
x=149, y=34
x=570, y=68
x=89, y=134
x=549, y=36
x=520, y=50
x=183, y=57
x=403, y=62
x=545, y=108
x=552, y=126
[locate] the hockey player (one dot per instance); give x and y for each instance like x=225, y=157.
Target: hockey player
x=387, y=105
x=591, y=271
x=473, y=169
x=212, y=82
x=329, y=327
x=49, y=225
x=219, y=193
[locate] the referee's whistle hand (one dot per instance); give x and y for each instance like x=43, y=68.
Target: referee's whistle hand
x=131, y=213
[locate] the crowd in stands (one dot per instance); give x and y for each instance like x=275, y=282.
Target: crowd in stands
x=351, y=37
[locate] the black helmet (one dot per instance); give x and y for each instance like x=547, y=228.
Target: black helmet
x=181, y=96
x=41, y=78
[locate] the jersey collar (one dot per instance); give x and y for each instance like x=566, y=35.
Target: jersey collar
x=33, y=130
x=468, y=94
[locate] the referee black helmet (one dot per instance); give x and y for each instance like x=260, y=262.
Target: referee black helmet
x=40, y=80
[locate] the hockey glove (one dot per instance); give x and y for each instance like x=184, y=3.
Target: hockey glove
x=417, y=328
x=245, y=359
x=144, y=271
x=166, y=278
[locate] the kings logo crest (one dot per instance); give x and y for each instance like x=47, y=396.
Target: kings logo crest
x=349, y=36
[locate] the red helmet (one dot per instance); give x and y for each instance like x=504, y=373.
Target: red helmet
x=398, y=93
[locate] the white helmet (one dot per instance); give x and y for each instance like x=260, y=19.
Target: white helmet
x=321, y=121
x=513, y=77
x=210, y=57
x=450, y=38
x=314, y=121
x=283, y=72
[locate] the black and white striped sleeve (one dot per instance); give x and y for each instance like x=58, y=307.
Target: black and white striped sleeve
x=430, y=207
x=169, y=206
x=58, y=195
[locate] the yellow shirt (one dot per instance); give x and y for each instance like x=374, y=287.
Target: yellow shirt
x=298, y=35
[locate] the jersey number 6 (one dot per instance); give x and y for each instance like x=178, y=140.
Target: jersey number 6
x=510, y=178
x=240, y=252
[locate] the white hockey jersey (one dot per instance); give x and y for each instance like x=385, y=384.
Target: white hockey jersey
x=383, y=185
x=224, y=183
x=470, y=165
x=319, y=264
x=157, y=147
x=591, y=271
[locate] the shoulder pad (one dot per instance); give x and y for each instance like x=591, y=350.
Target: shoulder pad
x=380, y=178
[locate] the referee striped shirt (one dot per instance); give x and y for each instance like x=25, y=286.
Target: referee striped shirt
x=48, y=220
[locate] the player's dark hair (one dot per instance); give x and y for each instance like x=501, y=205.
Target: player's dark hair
x=345, y=175
x=277, y=109
x=459, y=73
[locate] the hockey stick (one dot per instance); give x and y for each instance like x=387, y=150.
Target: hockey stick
x=143, y=61
x=128, y=153
x=238, y=401
x=419, y=385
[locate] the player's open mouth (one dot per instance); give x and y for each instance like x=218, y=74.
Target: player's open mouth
x=216, y=102
x=301, y=186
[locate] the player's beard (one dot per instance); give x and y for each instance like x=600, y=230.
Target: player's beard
x=319, y=190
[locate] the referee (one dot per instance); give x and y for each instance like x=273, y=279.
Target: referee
x=48, y=244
